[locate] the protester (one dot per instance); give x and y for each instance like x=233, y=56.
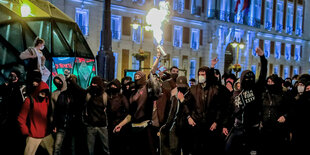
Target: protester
x=245, y=113
x=35, y=120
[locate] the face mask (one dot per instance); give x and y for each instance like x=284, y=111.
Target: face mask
x=58, y=85
x=271, y=88
x=113, y=90
x=12, y=78
x=287, y=84
x=301, y=89
x=201, y=79
x=94, y=90
x=40, y=98
x=182, y=89
x=293, y=82
x=42, y=47
x=174, y=76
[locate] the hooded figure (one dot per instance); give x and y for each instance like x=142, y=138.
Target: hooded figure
x=244, y=112
x=96, y=120
x=274, y=117
x=118, y=109
x=35, y=120
x=61, y=84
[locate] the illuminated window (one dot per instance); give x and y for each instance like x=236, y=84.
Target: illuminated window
x=192, y=69
x=285, y=72
x=177, y=36
x=279, y=16
x=296, y=71
x=175, y=62
x=267, y=48
x=299, y=21
x=116, y=27
x=289, y=18
x=195, y=38
x=257, y=8
x=136, y=34
x=277, y=53
x=196, y=7
x=253, y=68
x=288, y=51
x=178, y=5
x=135, y=63
x=276, y=70
x=268, y=17
x=297, y=53
x=82, y=19
x=255, y=45
x=140, y=2
x=116, y=62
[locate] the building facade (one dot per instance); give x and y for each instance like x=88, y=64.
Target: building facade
x=199, y=30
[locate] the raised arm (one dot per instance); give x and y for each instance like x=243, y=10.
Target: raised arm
x=263, y=70
x=155, y=65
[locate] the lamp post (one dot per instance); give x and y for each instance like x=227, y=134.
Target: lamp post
x=239, y=45
x=140, y=56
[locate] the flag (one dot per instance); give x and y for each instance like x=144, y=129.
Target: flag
x=237, y=5
x=246, y=4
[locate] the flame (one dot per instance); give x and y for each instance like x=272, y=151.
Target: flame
x=155, y=17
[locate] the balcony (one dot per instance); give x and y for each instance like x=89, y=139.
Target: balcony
x=231, y=17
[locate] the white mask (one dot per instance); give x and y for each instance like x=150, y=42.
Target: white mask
x=201, y=79
x=301, y=89
x=42, y=47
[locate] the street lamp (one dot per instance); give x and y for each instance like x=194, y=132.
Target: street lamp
x=237, y=67
x=140, y=56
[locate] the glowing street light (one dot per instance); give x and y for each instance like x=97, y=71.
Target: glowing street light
x=241, y=45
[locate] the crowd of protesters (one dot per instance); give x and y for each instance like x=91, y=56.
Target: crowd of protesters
x=155, y=114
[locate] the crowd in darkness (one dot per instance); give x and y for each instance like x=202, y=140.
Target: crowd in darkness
x=154, y=114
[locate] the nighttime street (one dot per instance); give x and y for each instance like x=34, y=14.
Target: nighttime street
x=154, y=77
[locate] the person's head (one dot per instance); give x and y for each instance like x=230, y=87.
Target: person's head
x=140, y=79
x=96, y=86
x=247, y=80
x=58, y=82
x=174, y=71
x=202, y=74
x=274, y=83
x=114, y=87
x=126, y=79
x=192, y=81
x=237, y=85
x=165, y=76
x=39, y=43
x=14, y=76
x=181, y=84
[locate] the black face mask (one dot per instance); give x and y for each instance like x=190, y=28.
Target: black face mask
x=271, y=88
x=287, y=84
x=114, y=90
x=174, y=76
x=58, y=85
x=12, y=78
x=182, y=89
x=40, y=98
x=94, y=90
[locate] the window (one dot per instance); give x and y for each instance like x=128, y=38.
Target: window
x=82, y=19
x=253, y=68
x=288, y=51
x=116, y=27
x=267, y=48
x=289, y=18
x=297, y=53
x=256, y=44
x=116, y=62
x=276, y=70
x=136, y=34
x=268, y=16
x=135, y=63
x=140, y=2
x=177, y=36
x=299, y=21
x=285, y=72
x=257, y=9
x=178, y=5
x=277, y=54
x=279, y=16
x=192, y=69
x=195, y=39
x=196, y=7
x=296, y=71
x=175, y=62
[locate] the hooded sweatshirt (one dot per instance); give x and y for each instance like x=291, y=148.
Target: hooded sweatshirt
x=58, y=91
x=38, y=114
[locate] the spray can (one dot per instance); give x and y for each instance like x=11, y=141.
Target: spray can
x=163, y=53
